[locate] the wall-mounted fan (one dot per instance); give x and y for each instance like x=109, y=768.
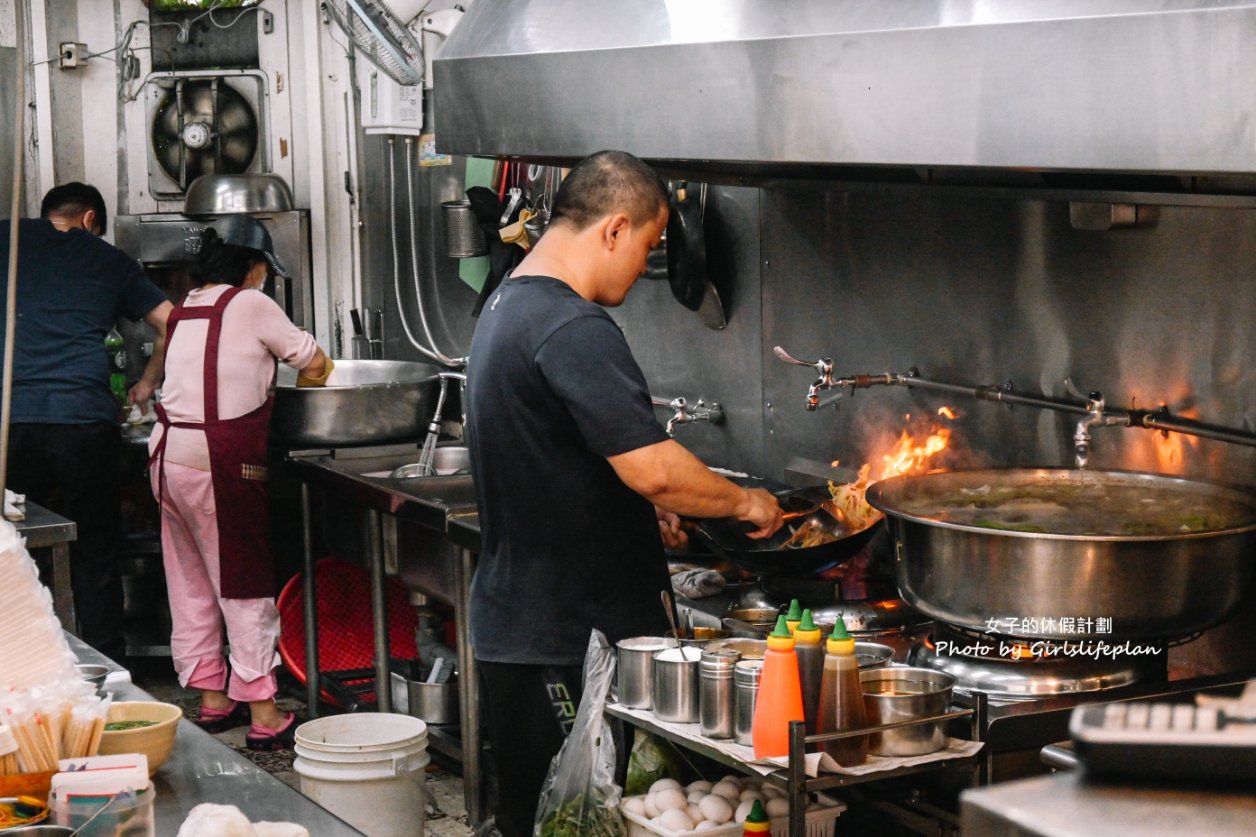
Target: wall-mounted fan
x=204, y=124
x=378, y=33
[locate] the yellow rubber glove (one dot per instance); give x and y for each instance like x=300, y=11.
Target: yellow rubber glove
x=321, y=380
x=515, y=233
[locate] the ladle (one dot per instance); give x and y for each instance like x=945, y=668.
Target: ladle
x=671, y=616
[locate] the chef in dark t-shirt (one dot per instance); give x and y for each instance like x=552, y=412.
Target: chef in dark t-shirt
x=578, y=485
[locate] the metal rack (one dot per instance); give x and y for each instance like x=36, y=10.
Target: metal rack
x=793, y=777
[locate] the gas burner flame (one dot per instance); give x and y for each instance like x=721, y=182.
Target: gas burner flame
x=1171, y=447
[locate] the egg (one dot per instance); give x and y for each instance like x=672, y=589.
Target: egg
x=707, y=825
x=635, y=805
x=749, y=793
x=772, y=792
x=664, y=784
x=694, y=812
x=674, y=820
x=716, y=808
x=743, y=811
x=700, y=785
x=650, y=806
x=777, y=807
x=734, y=778
x=669, y=799
x=728, y=790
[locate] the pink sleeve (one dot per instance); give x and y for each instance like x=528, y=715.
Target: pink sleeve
x=285, y=341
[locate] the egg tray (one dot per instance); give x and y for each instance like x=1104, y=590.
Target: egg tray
x=820, y=823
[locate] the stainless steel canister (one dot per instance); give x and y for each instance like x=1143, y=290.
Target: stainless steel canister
x=746, y=685
x=464, y=237
x=676, y=685
x=715, y=693
x=635, y=672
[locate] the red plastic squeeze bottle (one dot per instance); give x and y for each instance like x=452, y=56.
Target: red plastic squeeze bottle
x=780, y=695
x=757, y=822
x=841, y=699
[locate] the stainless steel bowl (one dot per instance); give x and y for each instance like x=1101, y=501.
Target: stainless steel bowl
x=94, y=674
x=364, y=402
x=221, y=194
x=1127, y=587
x=904, y=694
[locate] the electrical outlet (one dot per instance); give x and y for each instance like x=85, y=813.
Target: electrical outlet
x=72, y=55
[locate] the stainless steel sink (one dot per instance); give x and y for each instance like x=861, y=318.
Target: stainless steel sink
x=453, y=490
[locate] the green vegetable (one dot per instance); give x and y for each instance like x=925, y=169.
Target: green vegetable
x=118, y=726
x=1009, y=527
x=583, y=817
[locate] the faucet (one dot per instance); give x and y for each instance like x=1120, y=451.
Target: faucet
x=823, y=366
x=685, y=414
x=433, y=428
x=1095, y=416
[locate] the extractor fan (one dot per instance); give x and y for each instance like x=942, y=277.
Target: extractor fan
x=203, y=125
x=378, y=33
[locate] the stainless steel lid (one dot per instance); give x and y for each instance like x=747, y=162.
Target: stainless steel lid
x=221, y=194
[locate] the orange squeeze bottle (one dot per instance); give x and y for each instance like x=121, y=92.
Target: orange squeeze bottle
x=780, y=695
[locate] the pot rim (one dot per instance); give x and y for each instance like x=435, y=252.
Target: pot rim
x=877, y=490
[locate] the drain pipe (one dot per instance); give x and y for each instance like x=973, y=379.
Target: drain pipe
x=15, y=216
x=457, y=363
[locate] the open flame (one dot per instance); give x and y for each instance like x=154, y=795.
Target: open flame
x=1170, y=447
x=909, y=454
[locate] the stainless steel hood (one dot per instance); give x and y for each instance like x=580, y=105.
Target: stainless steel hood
x=1130, y=87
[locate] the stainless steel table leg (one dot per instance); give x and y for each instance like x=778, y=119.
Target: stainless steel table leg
x=468, y=689
x=311, y=608
x=62, y=591
x=379, y=610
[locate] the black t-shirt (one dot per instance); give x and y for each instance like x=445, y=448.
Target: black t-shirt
x=553, y=390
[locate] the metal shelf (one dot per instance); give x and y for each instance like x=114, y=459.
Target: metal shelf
x=793, y=778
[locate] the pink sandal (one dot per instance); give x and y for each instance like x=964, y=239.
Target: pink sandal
x=221, y=720
x=264, y=738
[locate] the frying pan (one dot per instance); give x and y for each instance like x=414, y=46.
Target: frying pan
x=728, y=536
x=687, y=259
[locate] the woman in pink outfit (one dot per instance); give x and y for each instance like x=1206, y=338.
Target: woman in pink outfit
x=208, y=458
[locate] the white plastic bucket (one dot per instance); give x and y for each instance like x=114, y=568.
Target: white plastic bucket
x=367, y=769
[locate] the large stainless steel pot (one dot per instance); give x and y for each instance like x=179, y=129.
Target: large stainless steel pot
x=1129, y=587
x=364, y=402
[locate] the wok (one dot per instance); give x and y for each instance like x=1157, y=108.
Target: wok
x=1135, y=586
x=728, y=536
x=687, y=258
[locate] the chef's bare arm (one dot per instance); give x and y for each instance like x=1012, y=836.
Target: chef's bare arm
x=155, y=370
x=672, y=478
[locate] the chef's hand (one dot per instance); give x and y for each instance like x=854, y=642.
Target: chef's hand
x=316, y=374
x=141, y=394
x=760, y=508
x=674, y=537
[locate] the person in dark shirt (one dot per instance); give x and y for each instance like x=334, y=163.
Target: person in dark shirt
x=577, y=483
x=64, y=438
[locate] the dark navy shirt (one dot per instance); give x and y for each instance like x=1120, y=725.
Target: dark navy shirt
x=71, y=288
x=553, y=390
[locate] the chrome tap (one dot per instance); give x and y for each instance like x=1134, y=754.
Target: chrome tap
x=1094, y=416
x=824, y=366
x=685, y=414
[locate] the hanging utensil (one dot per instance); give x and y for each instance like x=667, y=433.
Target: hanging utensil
x=687, y=257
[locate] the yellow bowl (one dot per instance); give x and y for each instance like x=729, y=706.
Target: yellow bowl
x=155, y=741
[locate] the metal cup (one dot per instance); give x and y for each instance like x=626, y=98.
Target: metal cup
x=635, y=672
x=746, y=684
x=904, y=694
x=464, y=237
x=675, y=689
x=715, y=693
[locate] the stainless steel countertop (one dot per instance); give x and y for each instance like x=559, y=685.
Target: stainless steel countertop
x=203, y=769
x=44, y=528
x=1065, y=804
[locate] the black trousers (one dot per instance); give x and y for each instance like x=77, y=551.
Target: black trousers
x=73, y=470
x=530, y=710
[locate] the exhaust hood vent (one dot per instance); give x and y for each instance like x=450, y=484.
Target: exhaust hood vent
x=1137, y=95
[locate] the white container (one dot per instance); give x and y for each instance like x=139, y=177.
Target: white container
x=366, y=769
x=820, y=823
x=106, y=815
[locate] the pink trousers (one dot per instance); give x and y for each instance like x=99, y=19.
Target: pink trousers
x=189, y=546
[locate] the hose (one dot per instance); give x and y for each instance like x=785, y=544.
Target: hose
x=430, y=354
x=15, y=214
x=457, y=363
